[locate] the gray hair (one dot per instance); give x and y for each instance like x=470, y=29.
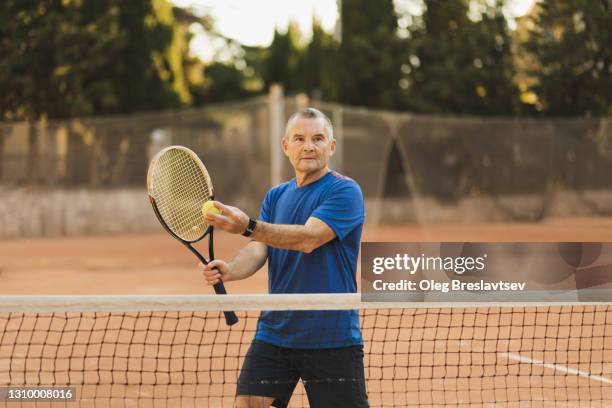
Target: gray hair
x=311, y=113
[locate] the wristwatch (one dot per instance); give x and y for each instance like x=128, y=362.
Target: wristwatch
x=250, y=228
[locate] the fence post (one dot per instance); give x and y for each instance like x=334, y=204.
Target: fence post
x=2, y=161
x=338, y=123
x=33, y=153
x=277, y=122
x=301, y=101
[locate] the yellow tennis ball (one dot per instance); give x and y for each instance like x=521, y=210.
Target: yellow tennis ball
x=209, y=206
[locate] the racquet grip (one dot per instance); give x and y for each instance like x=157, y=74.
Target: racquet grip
x=230, y=317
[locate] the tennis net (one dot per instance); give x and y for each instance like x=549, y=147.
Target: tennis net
x=158, y=351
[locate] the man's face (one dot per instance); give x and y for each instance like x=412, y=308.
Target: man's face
x=307, y=145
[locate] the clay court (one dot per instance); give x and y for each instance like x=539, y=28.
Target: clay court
x=553, y=356
x=425, y=178
x=464, y=123
x=157, y=264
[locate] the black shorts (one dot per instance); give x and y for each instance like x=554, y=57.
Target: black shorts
x=332, y=377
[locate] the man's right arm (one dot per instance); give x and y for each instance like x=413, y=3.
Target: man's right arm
x=248, y=261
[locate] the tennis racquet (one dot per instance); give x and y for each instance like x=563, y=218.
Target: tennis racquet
x=178, y=185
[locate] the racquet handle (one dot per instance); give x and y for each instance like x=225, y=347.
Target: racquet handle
x=230, y=317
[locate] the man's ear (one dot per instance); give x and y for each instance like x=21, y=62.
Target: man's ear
x=285, y=146
x=332, y=146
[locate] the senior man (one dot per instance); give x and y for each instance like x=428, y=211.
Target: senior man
x=309, y=230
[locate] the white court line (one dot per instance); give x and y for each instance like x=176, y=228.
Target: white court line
x=557, y=367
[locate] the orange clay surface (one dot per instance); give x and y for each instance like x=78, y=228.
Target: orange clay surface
x=437, y=367
x=158, y=264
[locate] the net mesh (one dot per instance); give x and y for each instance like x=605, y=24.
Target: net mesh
x=554, y=355
x=180, y=185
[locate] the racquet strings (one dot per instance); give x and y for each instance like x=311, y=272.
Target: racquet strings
x=180, y=186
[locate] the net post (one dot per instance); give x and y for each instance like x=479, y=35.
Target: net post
x=277, y=119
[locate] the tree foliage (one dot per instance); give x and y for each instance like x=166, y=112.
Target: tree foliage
x=64, y=58
x=459, y=65
x=368, y=69
x=223, y=82
x=318, y=65
x=309, y=68
x=282, y=59
x=572, y=42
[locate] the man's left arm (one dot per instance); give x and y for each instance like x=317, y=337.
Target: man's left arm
x=305, y=238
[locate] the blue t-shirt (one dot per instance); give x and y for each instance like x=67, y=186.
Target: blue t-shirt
x=332, y=268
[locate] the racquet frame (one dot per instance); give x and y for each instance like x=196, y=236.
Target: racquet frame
x=230, y=317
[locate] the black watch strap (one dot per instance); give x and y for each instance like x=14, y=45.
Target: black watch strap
x=250, y=228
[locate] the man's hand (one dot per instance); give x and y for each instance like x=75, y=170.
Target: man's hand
x=231, y=219
x=248, y=261
x=215, y=272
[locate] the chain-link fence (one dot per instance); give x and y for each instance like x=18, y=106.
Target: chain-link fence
x=113, y=152
x=435, y=168
x=412, y=168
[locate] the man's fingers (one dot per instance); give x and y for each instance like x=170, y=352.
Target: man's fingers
x=210, y=272
x=224, y=208
x=215, y=263
x=231, y=219
x=212, y=277
x=215, y=219
x=224, y=211
x=210, y=268
x=214, y=272
x=211, y=216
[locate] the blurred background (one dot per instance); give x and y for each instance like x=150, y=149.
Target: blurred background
x=483, y=120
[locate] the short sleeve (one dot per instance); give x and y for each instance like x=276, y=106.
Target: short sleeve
x=342, y=209
x=264, y=212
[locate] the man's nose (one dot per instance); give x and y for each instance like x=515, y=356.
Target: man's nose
x=308, y=145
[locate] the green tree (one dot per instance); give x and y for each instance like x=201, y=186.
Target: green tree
x=223, y=82
x=41, y=71
x=368, y=68
x=143, y=76
x=280, y=64
x=494, y=71
x=318, y=65
x=460, y=65
x=310, y=68
x=571, y=41
x=63, y=58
